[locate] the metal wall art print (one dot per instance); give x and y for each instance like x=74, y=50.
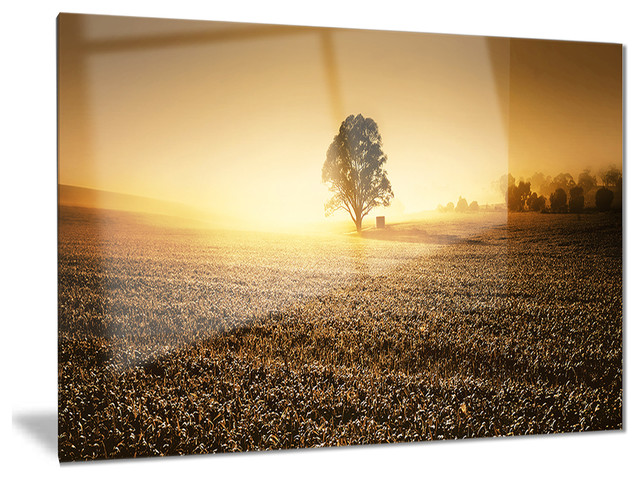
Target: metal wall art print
x=276, y=237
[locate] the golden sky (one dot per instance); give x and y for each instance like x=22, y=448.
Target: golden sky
x=235, y=119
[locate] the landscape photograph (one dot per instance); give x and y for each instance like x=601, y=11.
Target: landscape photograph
x=279, y=237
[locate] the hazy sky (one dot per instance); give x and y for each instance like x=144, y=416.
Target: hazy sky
x=236, y=119
x=565, y=109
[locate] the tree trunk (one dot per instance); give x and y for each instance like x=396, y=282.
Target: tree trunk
x=358, y=224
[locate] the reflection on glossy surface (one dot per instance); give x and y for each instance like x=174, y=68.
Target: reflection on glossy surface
x=205, y=304
x=156, y=288
x=234, y=119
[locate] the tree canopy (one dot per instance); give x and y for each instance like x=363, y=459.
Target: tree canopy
x=611, y=176
x=576, y=200
x=354, y=170
x=604, y=198
x=587, y=181
x=517, y=196
x=558, y=201
x=462, y=205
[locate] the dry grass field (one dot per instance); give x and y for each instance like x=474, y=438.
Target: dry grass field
x=178, y=341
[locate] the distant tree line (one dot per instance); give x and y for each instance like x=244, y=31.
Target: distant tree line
x=461, y=207
x=562, y=194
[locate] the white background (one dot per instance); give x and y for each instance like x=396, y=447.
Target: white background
x=28, y=272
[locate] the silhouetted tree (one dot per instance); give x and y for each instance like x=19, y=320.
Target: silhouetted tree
x=587, y=181
x=540, y=183
x=503, y=184
x=564, y=181
x=462, y=205
x=558, y=201
x=518, y=195
x=474, y=207
x=576, y=200
x=536, y=203
x=450, y=207
x=610, y=176
x=604, y=197
x=532, y=198
x=354, y=170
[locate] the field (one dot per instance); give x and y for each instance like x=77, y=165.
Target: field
x=177, y=340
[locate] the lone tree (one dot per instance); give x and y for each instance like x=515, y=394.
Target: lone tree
x=354, y=170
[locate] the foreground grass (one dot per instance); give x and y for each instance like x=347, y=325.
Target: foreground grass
x=515, y=331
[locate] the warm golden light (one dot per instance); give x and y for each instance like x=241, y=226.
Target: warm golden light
x=207, y=305
x=234, y=120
